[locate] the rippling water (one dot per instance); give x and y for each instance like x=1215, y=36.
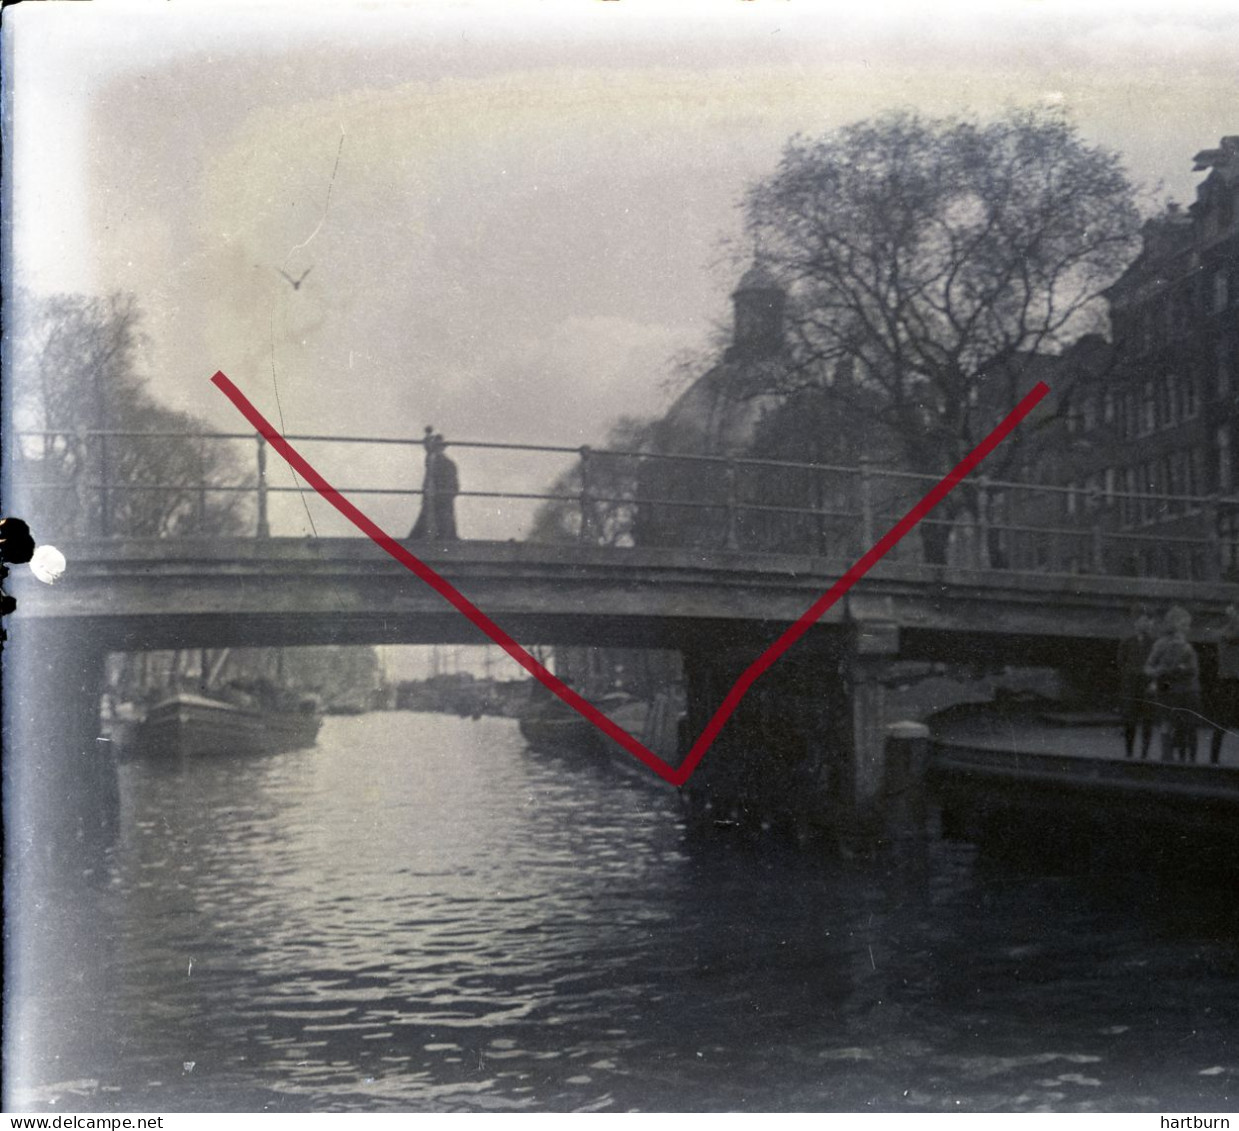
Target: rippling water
x=421, y=915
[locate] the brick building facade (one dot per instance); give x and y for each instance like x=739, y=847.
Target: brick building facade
x=1146, y=455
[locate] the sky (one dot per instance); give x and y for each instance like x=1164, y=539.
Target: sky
x=519, y=220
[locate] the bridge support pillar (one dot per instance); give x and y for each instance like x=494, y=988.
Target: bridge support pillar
x=806, y=750
x=905, y=807
x=60, y=778
x=771, y=766
x=860, y=815
x=864, y=751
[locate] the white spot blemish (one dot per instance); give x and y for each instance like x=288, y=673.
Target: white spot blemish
x=48, y=564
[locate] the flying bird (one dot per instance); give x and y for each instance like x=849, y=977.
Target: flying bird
x=295, y=283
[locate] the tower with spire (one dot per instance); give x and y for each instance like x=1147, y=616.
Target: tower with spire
x=757, y=303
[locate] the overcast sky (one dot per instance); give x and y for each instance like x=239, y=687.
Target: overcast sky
x=511, y=215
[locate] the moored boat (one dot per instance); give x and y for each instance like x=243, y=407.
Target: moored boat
x=188, y=725
x=1028, y=725
x=549, y=725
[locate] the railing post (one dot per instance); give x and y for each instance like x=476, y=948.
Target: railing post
x=202, y=500
x=1097, y=545
x=430, y=491
x=983, y=523
x=105, y=496
x=1212, y=511
x=81, y=503
x=732, y=537
x=264, y=528
x=867, y=535
x=821, y=544
x=586, y=501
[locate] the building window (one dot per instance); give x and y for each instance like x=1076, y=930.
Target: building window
x=1225, y=466
x=1168, y=400
x=1183, y=312
x=1088, y=411
x=1164, y=487
x=1223, y=367
x=1191, y=396
x=1221, y=291
x=1155, y=486
x=1228, y=529
x=1196, y=475
x=1111, y=480
x=1181, y=479
x=1148, y=420
x=1129, y=509
x=1071, y=497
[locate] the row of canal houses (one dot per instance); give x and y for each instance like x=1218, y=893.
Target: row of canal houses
x=1134, y=470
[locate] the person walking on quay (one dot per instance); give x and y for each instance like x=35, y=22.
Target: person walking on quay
x=1174, y=668
x=1134, y=701
x=1224, y=705
x=440, y=485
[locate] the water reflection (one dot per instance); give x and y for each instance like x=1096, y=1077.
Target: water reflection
x=420, y=914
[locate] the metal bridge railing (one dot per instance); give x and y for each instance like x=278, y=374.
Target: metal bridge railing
x=97, y=481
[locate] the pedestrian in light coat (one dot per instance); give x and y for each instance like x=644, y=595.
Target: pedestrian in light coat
x=1174, y=669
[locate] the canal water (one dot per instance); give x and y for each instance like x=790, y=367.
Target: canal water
x=422, y=915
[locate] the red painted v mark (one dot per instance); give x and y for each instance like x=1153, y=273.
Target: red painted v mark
x=675, y=775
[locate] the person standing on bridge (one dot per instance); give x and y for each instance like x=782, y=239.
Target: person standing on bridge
x=1224, y=705
x=1134, y=701
x=1175, y=670
x=440, y=486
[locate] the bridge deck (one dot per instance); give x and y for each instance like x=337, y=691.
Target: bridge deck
x=286, y=588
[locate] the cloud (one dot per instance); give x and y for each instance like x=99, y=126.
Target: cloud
x=593, y=369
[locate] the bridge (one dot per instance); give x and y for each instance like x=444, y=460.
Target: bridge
x=140, y=594
x=718, y=601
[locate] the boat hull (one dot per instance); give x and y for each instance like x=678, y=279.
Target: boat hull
x=551, y=727
x=193, y=726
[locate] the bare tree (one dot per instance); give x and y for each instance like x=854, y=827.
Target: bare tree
x=928, y=260
x=77, y=376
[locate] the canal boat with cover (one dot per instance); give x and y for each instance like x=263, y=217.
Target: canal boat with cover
x=246, y=717
x=550, y=726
